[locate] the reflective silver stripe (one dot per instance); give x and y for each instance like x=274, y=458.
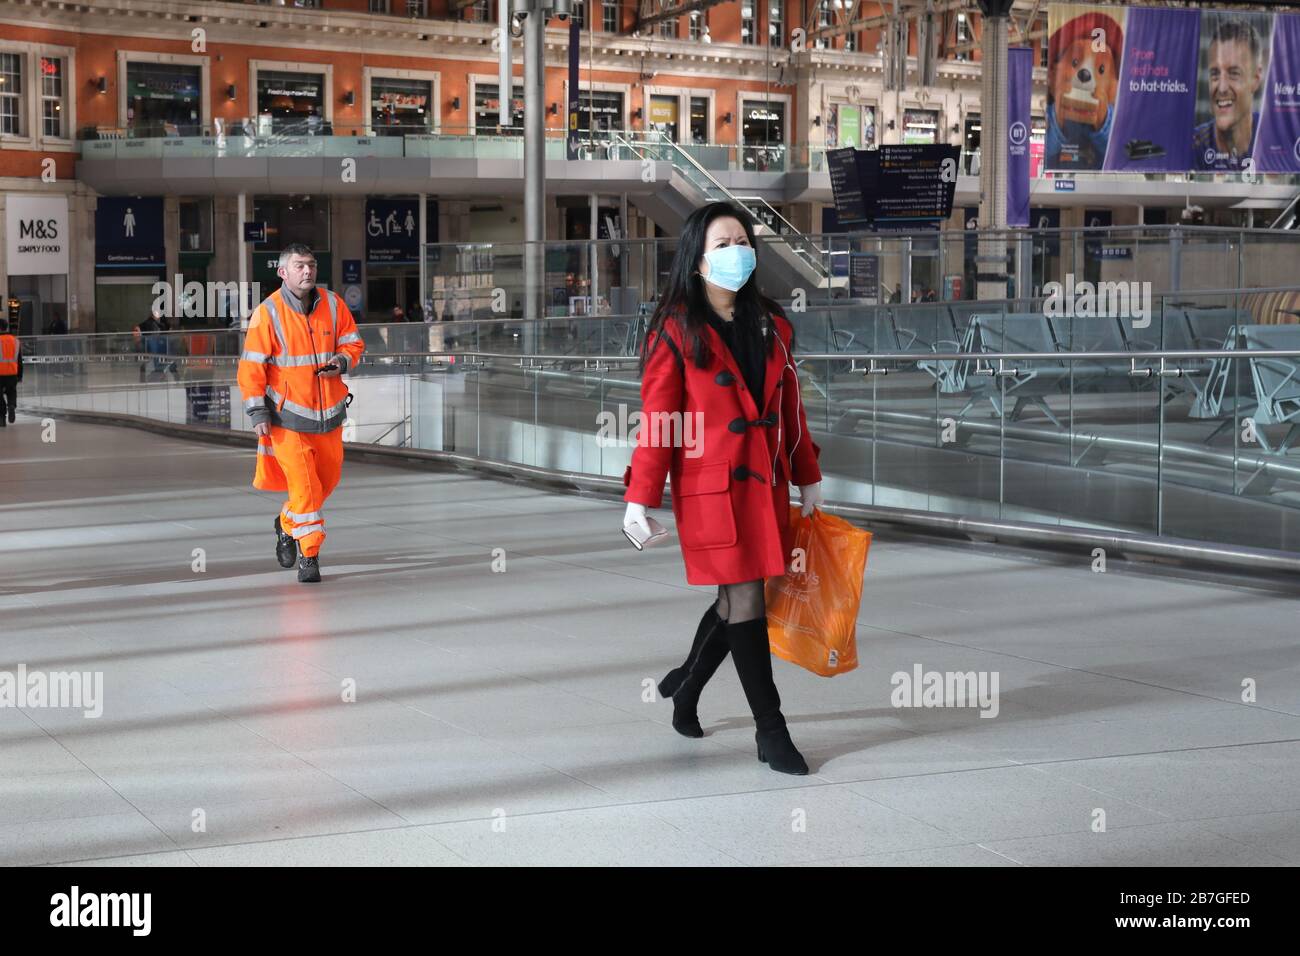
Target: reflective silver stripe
x=334, y=313
x=312, y=425
x=350, y=338
x=294, y=361
x=310, y=516
x=303, y=530
x=260, y=357
x=275, y=323
x=303, y=410
x=265, y=450
x=257, y=401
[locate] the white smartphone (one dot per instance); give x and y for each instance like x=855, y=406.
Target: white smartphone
x=640, y=540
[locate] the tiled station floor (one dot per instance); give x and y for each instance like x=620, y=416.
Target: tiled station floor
x=503, y=717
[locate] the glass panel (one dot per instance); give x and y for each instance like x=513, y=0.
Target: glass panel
x=163, y=99
x=400, y=107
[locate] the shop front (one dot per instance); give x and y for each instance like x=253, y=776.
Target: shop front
x=487, y=110
x=289, y=219
x=292, y=103
x=130, y=256
x=400, y=107
x=164, y=99
x=920, y=126
x=392, y=276
x=763, y=135
x=664, y=116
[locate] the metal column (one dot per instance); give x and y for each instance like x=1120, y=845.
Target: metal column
x=991, y=262
x=244, y=308
x=534, y=161
x=505, y=87
x=594, y=252
x=424, y=255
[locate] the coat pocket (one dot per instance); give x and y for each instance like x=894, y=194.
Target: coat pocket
x=705, y=518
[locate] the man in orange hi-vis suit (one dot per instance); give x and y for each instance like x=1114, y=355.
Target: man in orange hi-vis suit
x=300, y=341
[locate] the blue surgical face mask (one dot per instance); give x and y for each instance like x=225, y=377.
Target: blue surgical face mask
x=730, y=267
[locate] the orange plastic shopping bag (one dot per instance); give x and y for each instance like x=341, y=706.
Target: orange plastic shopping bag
x=812, y=610
x=269, y=476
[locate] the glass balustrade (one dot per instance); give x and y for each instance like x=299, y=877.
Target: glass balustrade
x=1016, y=410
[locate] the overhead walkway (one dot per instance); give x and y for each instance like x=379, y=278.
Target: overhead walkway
x=502, y=717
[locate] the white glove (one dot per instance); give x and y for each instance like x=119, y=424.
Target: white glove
x=635, y=515
x=810, y=496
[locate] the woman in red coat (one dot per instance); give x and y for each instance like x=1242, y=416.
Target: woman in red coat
x=722, y=415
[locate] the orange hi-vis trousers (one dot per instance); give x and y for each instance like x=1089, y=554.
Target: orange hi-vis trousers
x=312, y=464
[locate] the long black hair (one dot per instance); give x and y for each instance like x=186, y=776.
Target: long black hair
x=684, y=298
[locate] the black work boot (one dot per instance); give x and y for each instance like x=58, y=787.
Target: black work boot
x=286, y=549
x=308, y=570
x=712, y=652
x=749, y=649
x=673, y=679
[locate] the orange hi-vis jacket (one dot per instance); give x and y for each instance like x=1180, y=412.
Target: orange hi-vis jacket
x=8, y=355
x=282, y=351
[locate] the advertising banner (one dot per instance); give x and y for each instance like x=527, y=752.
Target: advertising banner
x=1020, y=83
x=850, y=127
x=575, y=47
x=1172, y=90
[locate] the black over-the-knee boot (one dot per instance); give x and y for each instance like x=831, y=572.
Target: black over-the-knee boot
x=673, y=679
x=749, y=649
x=708, y=653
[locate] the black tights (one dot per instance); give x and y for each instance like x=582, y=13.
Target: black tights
x=742, y=602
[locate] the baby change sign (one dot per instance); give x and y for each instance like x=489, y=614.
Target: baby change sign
x=1172, y=90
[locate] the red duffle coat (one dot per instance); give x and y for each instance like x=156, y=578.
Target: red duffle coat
x=730, y=489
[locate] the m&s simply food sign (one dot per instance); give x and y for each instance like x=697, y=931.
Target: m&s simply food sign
x=36, y=235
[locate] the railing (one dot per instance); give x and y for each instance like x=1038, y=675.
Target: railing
x=709, y=158
x=919, y=412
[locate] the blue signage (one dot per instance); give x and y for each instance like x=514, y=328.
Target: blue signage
x=351, y=271
x=1063, y=185
x=392, y=231
x=255, y=232
x=129, y=232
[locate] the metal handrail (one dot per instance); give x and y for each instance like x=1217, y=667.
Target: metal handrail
x=806, y=356
x=1290, y=210
x=815, y=263
x=629, y=142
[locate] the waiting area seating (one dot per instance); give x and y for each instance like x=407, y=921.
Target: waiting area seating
x=1220, y=390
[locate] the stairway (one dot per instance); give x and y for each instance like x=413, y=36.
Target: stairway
x=787, y=259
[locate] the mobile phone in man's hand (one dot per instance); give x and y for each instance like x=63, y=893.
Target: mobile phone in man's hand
x=332, y=367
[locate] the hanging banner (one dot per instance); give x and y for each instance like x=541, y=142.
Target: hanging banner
x=575, y=46
x=1172, y=90
x=1020, y=82
x=1278, y=148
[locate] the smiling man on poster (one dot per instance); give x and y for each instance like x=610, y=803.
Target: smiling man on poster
x=1233, y=73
